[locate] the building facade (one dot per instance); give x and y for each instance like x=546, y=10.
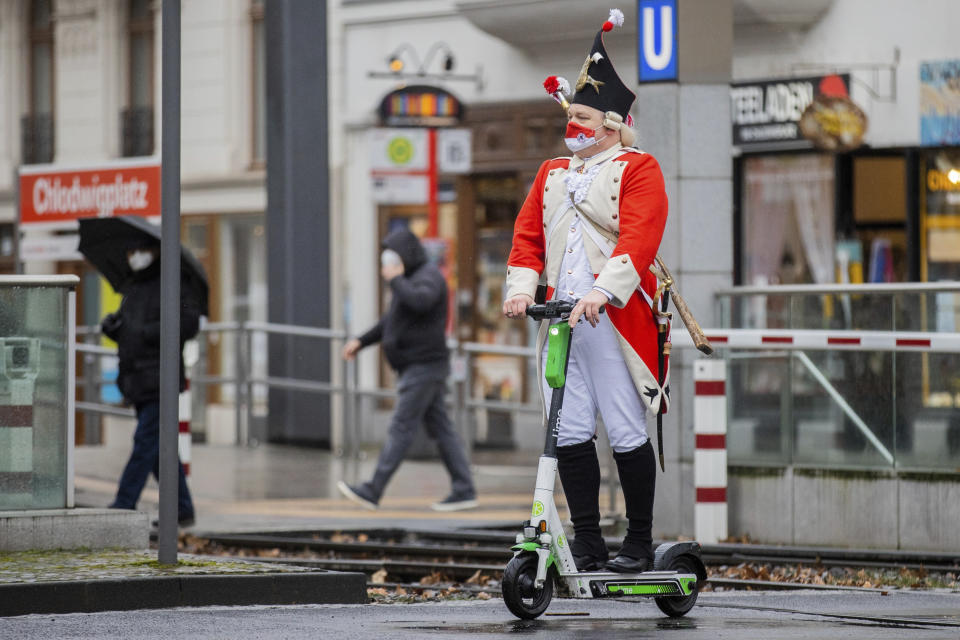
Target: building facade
x=81, y=89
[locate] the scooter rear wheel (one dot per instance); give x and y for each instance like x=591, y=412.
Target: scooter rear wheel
x=519, y=593
x=675, y=606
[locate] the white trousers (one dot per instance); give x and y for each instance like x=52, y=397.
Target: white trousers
x=598, y=380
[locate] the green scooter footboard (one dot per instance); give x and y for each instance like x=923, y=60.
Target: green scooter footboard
x=558, y=342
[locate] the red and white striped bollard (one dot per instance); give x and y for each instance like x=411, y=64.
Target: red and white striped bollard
x=710, y=457
x=184, y=439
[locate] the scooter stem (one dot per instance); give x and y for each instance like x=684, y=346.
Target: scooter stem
x=556, y=406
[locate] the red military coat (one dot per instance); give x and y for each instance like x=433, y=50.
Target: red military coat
x=621, y=195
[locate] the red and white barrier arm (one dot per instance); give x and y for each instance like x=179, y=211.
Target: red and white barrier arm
x=809, y=339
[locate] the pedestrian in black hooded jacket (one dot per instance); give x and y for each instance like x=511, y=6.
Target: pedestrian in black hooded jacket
x=412, y=332
x=135, y=327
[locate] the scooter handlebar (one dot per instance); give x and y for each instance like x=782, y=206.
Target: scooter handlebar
x=552, y=309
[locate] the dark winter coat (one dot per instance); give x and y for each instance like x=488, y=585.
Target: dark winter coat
x=413, y=328
x=135, y=327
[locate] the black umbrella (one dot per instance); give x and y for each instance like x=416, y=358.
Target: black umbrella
x=104, y=242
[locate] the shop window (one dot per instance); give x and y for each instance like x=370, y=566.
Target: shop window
x=940, y=213
x=37, y=124
x=496, y=377
x=879, y=233
x=7, y=248
x=137, y=118
x=788, y=220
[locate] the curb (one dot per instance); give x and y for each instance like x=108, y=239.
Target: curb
x=88, y=596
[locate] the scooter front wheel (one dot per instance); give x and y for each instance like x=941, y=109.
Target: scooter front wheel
x=519, y=591
x=677, y=606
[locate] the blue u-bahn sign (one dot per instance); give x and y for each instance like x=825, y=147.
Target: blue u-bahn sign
x=657, y=40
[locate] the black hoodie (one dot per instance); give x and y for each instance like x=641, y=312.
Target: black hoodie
x=413, y=328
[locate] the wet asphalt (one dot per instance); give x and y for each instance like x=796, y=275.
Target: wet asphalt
x=740, y=615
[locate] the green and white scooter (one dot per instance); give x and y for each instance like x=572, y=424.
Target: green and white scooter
x=542, y=552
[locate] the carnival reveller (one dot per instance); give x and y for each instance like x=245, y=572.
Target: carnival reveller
x=589, y=230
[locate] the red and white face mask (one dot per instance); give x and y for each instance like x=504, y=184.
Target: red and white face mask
x=579, y=137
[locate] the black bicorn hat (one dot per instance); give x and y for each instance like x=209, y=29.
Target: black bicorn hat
x=598, y=84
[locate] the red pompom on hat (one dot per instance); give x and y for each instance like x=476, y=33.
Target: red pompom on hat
x=608, y=26
x=551, y=84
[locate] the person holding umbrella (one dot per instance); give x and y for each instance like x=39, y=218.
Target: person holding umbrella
x=135, y=327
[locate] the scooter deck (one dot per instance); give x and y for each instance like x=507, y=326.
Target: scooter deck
x=648, y=583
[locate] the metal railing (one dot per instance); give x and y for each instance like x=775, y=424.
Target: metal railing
x=347, y=435
x=771, y=422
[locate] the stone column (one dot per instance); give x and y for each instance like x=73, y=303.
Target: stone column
x=298, y=214
x=686, y=126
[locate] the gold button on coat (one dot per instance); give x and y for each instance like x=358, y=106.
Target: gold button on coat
x=623, y=259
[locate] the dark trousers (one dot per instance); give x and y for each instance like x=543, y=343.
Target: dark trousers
x=145, y=459
x=420, y=392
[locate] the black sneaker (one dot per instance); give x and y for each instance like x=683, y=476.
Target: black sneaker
x=455, y=503
x=358, y=494
x=589, y=563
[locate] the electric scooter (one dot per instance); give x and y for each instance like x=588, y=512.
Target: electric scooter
x=542, y=553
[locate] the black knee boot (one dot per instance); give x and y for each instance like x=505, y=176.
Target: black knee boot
x=580, y=475
x=638, y=476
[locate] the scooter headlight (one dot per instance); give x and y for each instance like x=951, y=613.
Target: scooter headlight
x=530, y=533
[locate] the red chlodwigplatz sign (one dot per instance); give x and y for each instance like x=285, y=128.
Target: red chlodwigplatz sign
x=52, y=196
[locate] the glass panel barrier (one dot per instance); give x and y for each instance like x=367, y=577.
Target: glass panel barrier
x=758, y=427
x=36, y=342
x=867, y=408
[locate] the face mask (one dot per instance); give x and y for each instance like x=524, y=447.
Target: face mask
x=140, y=260
x=390, y=258
x=579, y=137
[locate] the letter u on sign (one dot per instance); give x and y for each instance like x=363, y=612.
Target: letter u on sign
x=657, y=40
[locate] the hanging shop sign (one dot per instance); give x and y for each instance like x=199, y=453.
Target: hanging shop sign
x=833, y=123
x=796, y=113
x=54, y=197
x=420, y=106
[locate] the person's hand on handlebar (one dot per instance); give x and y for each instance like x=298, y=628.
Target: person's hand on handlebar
x=516, y=306
x=589, y=307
